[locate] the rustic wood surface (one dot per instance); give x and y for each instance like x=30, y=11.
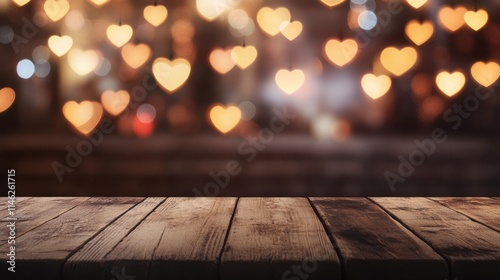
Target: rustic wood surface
x=481, y=209
x=191, y=244
x=44, y=250
x=254, y=238
x=86, y=263
x=472, y=249
x=18, y=200
x=50, y=207
x=271, y=235
x=373, y=245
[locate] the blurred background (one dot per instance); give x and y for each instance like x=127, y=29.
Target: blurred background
x=250, y=97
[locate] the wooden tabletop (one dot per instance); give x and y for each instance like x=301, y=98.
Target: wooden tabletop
x=253, y=238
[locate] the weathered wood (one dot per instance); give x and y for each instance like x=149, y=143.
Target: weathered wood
x=278, y=238
x=181, y=239
x=192, y=242
x=472, y=249
x=4, y=202
x=482, y=209
x=43, y=251
x=87, y=262
x=35, y=212
x=375, y=246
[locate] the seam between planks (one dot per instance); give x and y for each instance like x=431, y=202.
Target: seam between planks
x=61, y=271
x=464, y=214
x=132, y=229
x=444, y=257
x=331, y=238
x=226, y=237
x=135, y=226
x=57, y=216
x=157, y=244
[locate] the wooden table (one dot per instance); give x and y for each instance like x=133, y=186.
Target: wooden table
x=254, y=238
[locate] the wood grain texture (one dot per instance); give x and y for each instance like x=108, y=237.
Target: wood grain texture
x=181, y=239
x=191, y=244
x=482, y=209
x=44, y=250
x=29, y=213
x=375, y=246
x=278, y=238
x=4, y=201
x=87, y=262
x=472, y=249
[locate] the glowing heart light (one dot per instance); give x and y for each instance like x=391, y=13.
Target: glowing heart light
x=21, y=3
x=211, y=9
x=375, y=86
x=56, y=9
x=155, y=15
x=270, y=20
x=340, y=53
x=60, y=45
x=115, y=102
x=476, y=19
x=451, y=19
x=398, y=61
x=83, y=62
x=291, y=30
x=223, y=118
x=290, y=81
x=450, y=83
x=169, y=74
x=135, y=55
x=418, y=32
x=221, y=60
x=485, y=74
x=331, y=3
x=416, y=3
x=244, y=56
x=7, y=97
x=118, y=35
x=84, y=116
x=98, y=3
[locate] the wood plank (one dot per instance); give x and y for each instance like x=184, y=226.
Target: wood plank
x=472, y=249
x=278, y=238
x=87, y=262
x=482, y=209
x=29, y=213
x=181, y=239
x=192, y=242
x=44, y=250
x=4, y=202
x=375, y=246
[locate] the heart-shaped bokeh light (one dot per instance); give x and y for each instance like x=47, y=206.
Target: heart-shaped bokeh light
x=83, y=116
x=225, y=118
x=450, y=83
x=375, y=86
x=155, y=14
x=290, y=81
x=340, y=53
x=7, y=97
x=171, y=74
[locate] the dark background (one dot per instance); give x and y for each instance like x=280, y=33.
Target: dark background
x=300, y=161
